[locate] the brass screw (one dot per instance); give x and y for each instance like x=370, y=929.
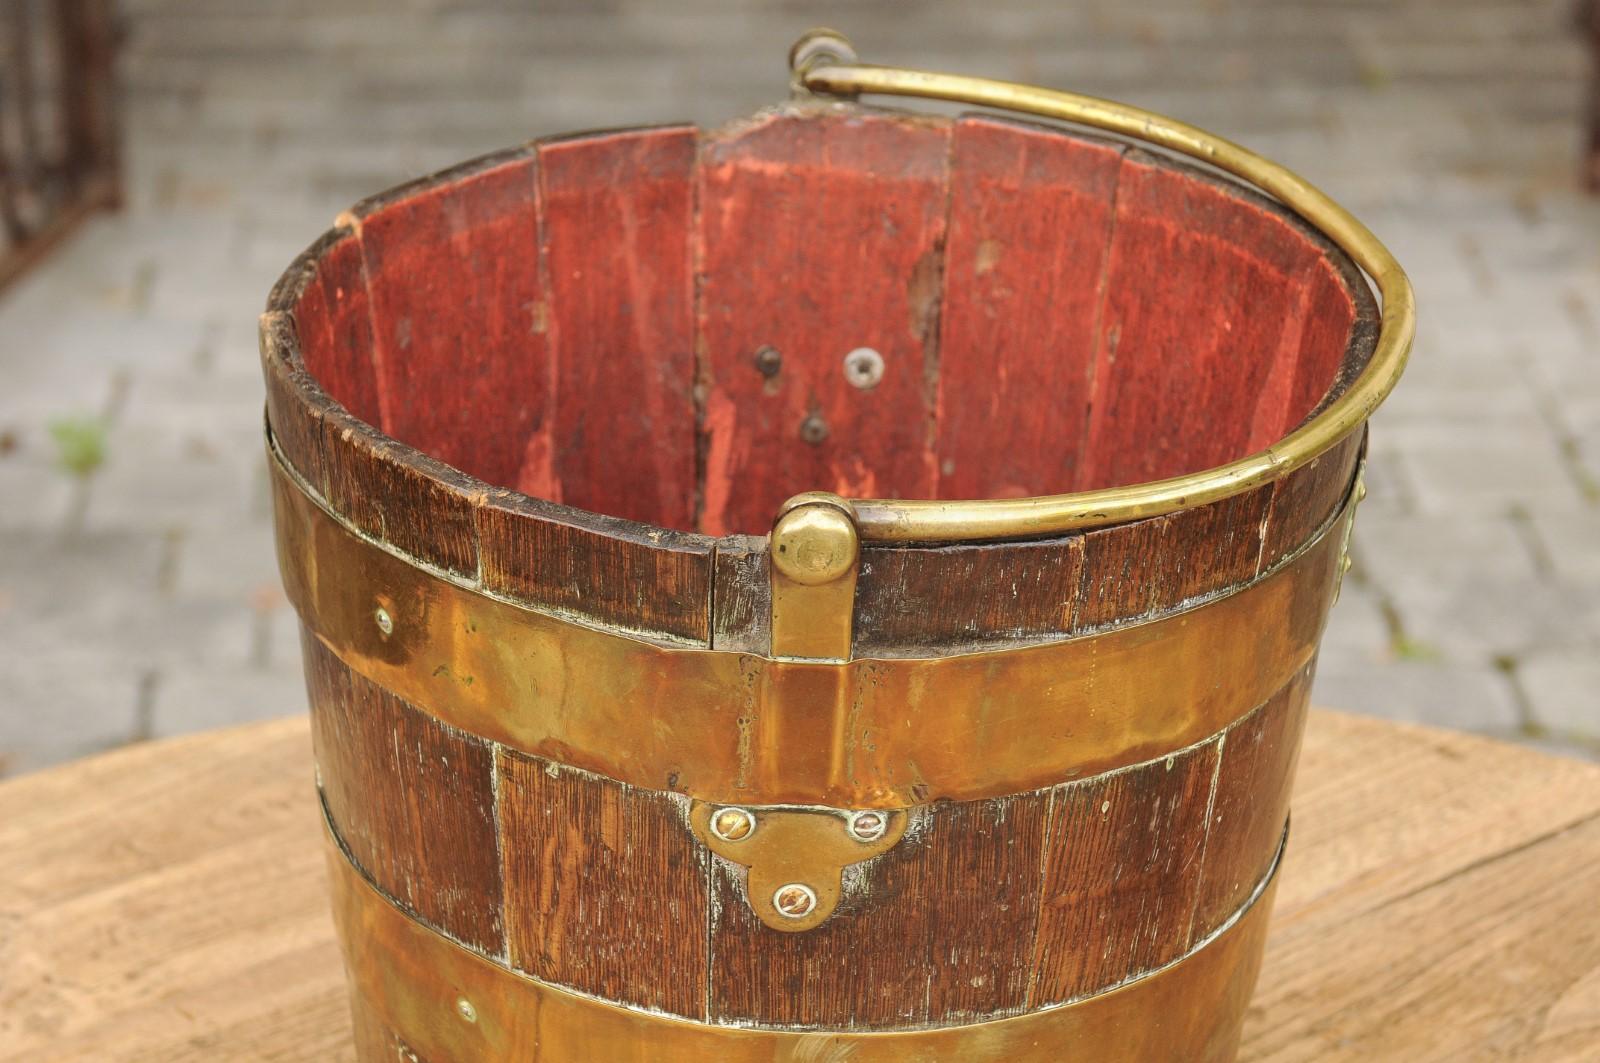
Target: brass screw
x=384, y=620
x=465, y=1009
x=868, y=826
x=796, y=901
x=733, y=824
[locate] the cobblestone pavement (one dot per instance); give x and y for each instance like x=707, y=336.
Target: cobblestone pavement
x=142, y=600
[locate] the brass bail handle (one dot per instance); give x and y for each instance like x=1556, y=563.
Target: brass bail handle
x=823, y=62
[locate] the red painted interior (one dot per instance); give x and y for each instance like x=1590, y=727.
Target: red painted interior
x=586, y=320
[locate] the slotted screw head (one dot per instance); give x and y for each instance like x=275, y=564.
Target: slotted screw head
x=868, y=826
x=796, y=900
x=733, y=824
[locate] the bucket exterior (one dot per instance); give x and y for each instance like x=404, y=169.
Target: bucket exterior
x=580, y=804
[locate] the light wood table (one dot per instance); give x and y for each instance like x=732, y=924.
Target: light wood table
x=1441, y=901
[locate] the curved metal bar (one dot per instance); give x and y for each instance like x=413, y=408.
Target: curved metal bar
x=928, y=520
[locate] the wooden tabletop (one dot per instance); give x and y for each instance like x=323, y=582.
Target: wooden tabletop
x=1441, y=901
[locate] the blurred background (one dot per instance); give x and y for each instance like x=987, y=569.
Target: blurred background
x=138, y=589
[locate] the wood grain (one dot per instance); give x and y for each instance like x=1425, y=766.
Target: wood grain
x=334, y=317
x=458, y=308
x=617, y=214
x=396, y=495
x=605, y=887
x=1205, y=295
x=1030, y=224
x=621, y=573
x=936, y=931
x=1121, y=873
x=167, y=902
x=411, y=800
x=814, y=285
x=1250, y=804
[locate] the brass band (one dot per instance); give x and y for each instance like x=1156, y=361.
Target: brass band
x=451, y=1004
x=735, y=727
x=824, y=64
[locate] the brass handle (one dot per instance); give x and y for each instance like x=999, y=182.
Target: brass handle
x=823, y=62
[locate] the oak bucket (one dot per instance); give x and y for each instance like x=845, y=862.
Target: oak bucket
x=654, y=720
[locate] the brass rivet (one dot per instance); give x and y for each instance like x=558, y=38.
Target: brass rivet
x=813, y=429
x=733, y=824
x=768, y=361
x=868, y=826
x=863, y=367
x=465, y=1009
x=814, y=544
x=384, y=620
x=795, y=900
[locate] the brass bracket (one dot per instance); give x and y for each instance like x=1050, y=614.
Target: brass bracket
x=1357, y=492
x=795, y=856
x=814, y=556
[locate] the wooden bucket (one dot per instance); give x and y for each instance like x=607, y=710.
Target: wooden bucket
x=615, y=767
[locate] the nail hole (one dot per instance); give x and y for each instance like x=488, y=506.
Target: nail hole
x=768, y=361
x=465, y=1009
x=813, y=430
x=384, y=621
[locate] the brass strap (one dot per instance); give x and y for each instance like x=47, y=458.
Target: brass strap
x=449, y=1003
x=736, y=728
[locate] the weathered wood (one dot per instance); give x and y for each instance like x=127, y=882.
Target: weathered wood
x=935, y=932
x=1412, y=888
x=615, y=571
x=458, y=309
x=1030, y=224
x=605, y=887
x=1120, y=874
x=395, y=495
x=814, y=285
x=741, y=595
x=617, y=220
x=334, y=319
x=1205, y=295
x=1250, y=804
x=911, y=599
x=411, y=800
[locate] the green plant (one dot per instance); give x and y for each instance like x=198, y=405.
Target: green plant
x=80, y=443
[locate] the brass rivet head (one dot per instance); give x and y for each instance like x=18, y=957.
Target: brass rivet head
x=796, y=900
x=384, y=621
x=733, y=824
x=465, y=1009
x=868, y=826
x=815, y=544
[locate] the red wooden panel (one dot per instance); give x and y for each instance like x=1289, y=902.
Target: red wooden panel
x=335, y=319
x=1204, y=297
x=1030, y=224
x=458, y=309
x=1333, y=319
x=618, y=216
x=821, y=234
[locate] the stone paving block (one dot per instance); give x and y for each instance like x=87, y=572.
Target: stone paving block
x=1563, y=692
x=1471, y=697
x=202, y=699
x=64, y=704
